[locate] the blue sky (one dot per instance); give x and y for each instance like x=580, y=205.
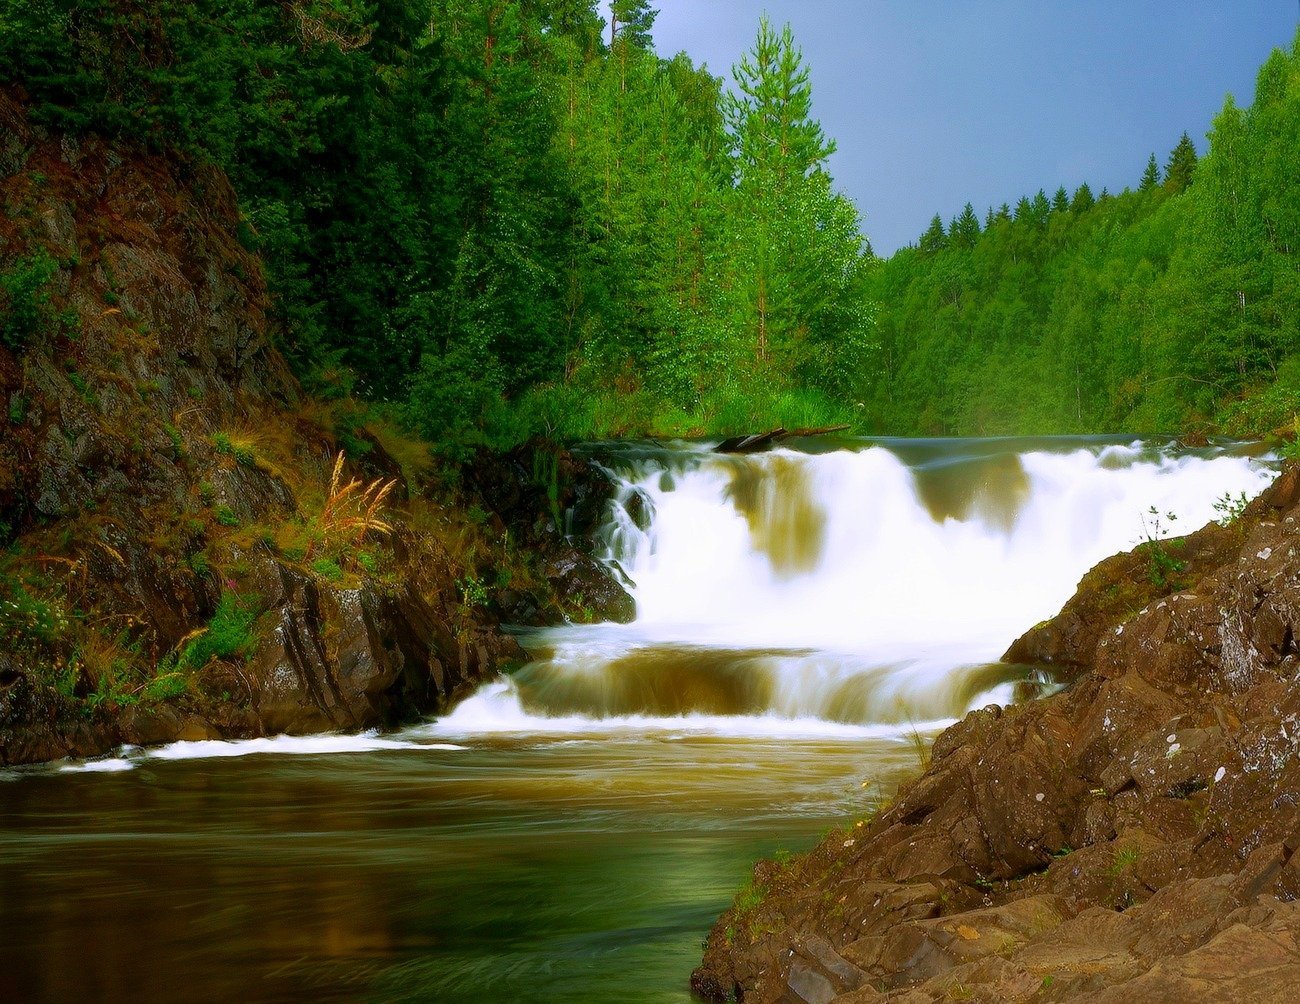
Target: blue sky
x=933, y=104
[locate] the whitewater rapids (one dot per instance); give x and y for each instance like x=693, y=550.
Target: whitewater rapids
x=855, y=592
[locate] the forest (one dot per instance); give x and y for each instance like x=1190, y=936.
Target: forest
x=494, y=219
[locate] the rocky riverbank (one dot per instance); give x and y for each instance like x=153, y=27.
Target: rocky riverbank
x=1129, y=838
x=194, y=547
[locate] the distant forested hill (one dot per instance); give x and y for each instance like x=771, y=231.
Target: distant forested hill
x=1170, y=307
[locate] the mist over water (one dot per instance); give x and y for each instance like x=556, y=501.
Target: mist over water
x=570, y=832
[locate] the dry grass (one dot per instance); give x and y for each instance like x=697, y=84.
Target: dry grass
x=351, y=511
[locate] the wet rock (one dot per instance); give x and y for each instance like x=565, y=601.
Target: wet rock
x=1130, y=837
x=589, y=586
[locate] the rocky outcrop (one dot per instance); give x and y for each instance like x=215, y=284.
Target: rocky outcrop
x=159, y=464
x=553, y=500
x=1131, y=837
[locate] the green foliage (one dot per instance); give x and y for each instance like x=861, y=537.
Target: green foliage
x=200, y=564
x=1172, y=306
x=546, y=476
x=225, y=516
x=178, y=443
x=165, y=686
x=25, y=310
x=473, y=593
x=1229, y=507
x=1163, y=567
x=229, y=635
x=479, y=210
x=241, y=450
x=327, y=568
x=29, y=618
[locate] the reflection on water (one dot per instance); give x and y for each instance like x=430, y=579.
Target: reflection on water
x=572, y=869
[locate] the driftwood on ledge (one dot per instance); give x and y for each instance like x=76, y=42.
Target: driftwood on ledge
x=762, y=440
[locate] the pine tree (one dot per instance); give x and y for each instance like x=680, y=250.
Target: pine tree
x=770, y=115
x=1061, y=200
x=1151, y=176
x=1083, y=199
x=785, y=212
x=630, y=22
x=1181, y=166
x=934, y=239
x=965, y=229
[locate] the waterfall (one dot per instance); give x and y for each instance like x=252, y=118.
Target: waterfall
x=866, y=587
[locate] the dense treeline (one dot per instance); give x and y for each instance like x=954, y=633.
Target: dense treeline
x=1172, y=306
x=499, y=216
x=503, y=217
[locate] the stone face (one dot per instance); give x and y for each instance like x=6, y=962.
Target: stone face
x=108, y=461
x=553, y=500
x=1129, y=838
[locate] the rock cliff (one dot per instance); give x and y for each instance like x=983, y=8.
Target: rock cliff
x=192, y=546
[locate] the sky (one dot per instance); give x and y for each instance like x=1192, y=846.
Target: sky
x=933, y=104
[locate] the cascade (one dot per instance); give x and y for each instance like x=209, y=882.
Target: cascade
x=844, y=592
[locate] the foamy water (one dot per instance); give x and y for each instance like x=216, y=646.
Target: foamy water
x=787, y=592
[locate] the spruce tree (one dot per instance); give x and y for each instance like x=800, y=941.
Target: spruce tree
x=1083, y=200
x=1041, y=208
x=934, y=239
x=1061, y=200
x=965, y=229
x=1151, y=176
x=1181, y=166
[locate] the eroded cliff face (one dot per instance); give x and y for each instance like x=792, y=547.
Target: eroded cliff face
x=160, y=467
x=1129, y=838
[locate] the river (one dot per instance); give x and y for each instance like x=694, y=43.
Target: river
x=807, y=619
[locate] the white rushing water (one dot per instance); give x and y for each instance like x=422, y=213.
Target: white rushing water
x=864, y=593
x=842, y=593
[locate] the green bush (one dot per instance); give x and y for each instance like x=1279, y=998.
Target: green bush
x=28, y=619
x=25, y=299
x=229, y=635
x=165, y=687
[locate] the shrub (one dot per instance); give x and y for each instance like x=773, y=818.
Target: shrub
x=25, y=299
x=165, y=687
x=235, y=446
x=28, y=618
x=229, y=634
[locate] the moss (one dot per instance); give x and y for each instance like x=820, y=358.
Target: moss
x=226, y=516
x=327, y=568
